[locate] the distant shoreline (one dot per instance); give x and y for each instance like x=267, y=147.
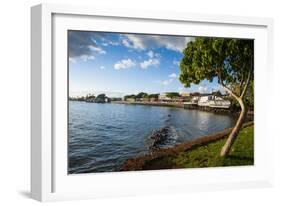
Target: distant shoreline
x=181, y=105
x=178, y=105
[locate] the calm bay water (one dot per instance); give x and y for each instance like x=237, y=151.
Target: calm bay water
x=103, y=136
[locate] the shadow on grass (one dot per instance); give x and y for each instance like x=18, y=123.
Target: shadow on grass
x=239, y=158
x=235, y=160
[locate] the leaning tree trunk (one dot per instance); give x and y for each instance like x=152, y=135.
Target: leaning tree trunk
x=234, y=133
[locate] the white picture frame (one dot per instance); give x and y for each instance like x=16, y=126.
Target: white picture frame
x=49, y=179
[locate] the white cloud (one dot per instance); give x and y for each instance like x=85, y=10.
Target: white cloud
x=97, y=49
x=87, y=57
x=102, y=67
x=143, y=42
x=176, y=62
x=150, y=54
x=203, y=89
x=133, y=41
x=219, y=88
x=114, y=43
x=173, y=75
x=151, y=62
x=167, y=82
x=124, y=64
x=180, y=89
x=80, y=43
x=107, y=43
x=73, y=60
x=83, y=46
x=126, y=43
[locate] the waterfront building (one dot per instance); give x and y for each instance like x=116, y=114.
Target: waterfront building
x=208, y=100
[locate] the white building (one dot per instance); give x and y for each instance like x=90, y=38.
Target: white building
x=163, y=97
x=195, y=99
x=213, y=101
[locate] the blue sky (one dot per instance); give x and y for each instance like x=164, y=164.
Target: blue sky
x=119, y=64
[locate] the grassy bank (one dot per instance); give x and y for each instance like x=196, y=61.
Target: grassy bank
x=242, y=153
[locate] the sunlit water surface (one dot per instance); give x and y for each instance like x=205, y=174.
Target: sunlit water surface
x=103, y=136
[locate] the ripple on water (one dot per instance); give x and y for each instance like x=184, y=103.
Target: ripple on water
x=103, y=136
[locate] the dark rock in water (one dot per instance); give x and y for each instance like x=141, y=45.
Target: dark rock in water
x=159, y=137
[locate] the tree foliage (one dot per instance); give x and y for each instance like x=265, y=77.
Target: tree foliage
x=100, y=98
x=172, y=94
x=230, y=60
x=153, y=96
x=129, y=97
x=141, y=95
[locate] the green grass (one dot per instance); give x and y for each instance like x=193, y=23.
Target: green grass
x=242, y=153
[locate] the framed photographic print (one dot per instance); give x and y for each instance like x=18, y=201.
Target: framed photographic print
x=135, y=102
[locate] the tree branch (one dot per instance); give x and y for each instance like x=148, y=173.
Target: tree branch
x=241, y=84
x=230, y=91
x=247, y=82
x=224, y=86
x=248, y=79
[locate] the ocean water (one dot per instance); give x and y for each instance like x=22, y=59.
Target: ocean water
x=102, y=136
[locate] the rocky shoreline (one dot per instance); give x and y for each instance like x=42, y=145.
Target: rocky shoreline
x=161, y=137
x=158, y=137
x=139, y=163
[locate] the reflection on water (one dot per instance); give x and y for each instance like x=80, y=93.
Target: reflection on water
x=103, y=136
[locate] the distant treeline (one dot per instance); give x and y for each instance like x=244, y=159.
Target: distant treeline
x=141, y=95
x=101, y=98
